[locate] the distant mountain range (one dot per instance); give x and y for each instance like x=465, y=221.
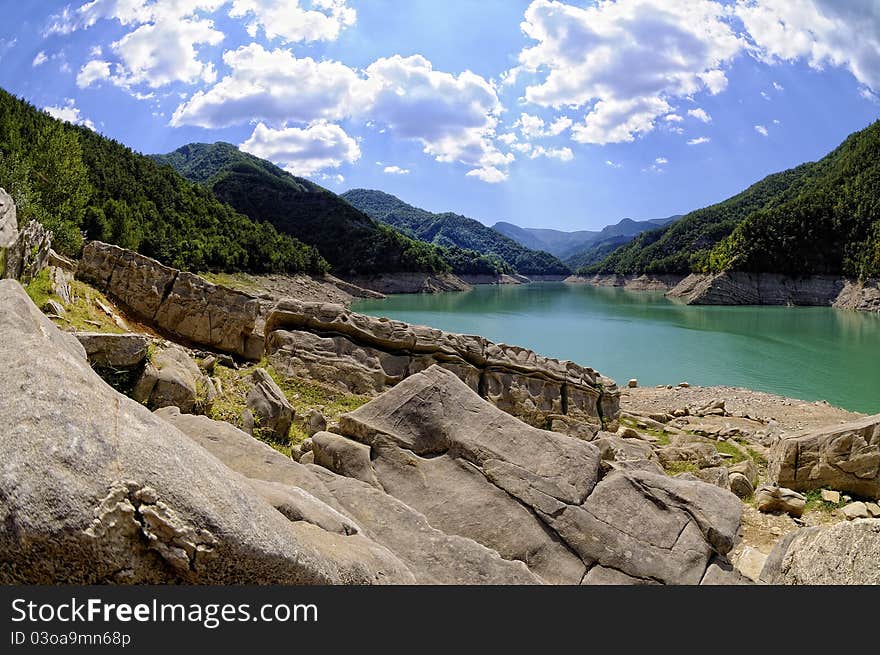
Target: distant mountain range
x=576, y=249
x=818, y=218
x=453, y=230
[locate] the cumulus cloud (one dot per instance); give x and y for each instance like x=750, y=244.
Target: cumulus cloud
x=39, y=59
x=490, y=175
x=700, y=114
x=562, y=154
x=290, y=22
x=625, y=59
x=303, y=151
x=699, y=141
x=661, y=160
x=822, y=32
x=93, y=72
x=396, y=170
x=760, y=129
x=69, y=113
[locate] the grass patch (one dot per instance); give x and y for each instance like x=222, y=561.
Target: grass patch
x=674, y=468
x=40, y=289
x=816, y=504
x=231, y=280
x=727, y=448
x=661, y=435
x=82, y=312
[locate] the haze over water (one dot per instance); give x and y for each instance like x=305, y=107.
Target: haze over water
x=812, y=353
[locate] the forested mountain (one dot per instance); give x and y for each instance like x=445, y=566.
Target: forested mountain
x=78, y=183
x=817, y=218
x=450, y=229
x=556, y=242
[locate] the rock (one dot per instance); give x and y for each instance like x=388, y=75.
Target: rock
x=95, y=489
x=314, y=422
x=747, y=469
x=857, y=510
x=843, y=457
x=701, y=454
x=8, y=224
x=740, y=485
x=209, y=364
x=54, y=307
x=715, y=475
x=118, y=351
x=684, y=385
x=432, y=556
x=344, y=457
x=831, y=496
x=307, y=458
x=368, y=355
x=270, y=410
x=751, y=563
x=769, y=498
x=722, y=572
x=173, y=379
x=873, y=509
x=633, y=384
x=841, y=554
x=178, y=303
x=532, y=495
x=26, y=256
x=306, y=445
x=59, y=282
x=625, y=432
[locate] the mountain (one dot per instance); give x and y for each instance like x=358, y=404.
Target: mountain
x=579, y=245
x=450, y=230
x=818, y=218
x=351, y=241
x=75, y=182
x=610, y=238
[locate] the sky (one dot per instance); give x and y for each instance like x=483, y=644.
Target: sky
x=567, y=115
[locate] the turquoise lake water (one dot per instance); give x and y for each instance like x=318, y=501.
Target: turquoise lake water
x=812, y=353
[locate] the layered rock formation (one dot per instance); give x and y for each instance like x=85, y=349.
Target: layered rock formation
x=740, y=288
x=23, y=252
x=368, y=355
x=842, y=457
x=180, y=304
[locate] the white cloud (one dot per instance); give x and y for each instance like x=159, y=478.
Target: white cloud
x=290, y=22
x=562, y=154
x=869, y=95
x=304, y=151
x=760, y=129
x=700, y=114
x=508, y=138
x=673, y=118
x=765, y=95
x=661, y=160
x=822, y=32
x=396, y=170
x=699, y=141
x=559, y=126
x=40, y=59
x=93, y=72
x=626, y=59
x=69, y=113
x=776, y=121
x=530, y=126
x=273, y=86
x=490, y=175
x=612, y=164
x=778, y=86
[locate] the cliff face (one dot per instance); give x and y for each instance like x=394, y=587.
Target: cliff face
x=738, y=288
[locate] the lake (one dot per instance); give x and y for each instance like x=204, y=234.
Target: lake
x=811, y=353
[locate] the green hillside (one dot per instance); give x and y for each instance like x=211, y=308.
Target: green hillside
x=817, y=218
x=454, y=230
x=78, y=183
x=351, y=241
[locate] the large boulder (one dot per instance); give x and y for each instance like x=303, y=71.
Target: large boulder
x=268, y=411
x=118, y=351
x=843, y=457
x=179, y=303
x=173, y=379
x=27, y=255
x=840, y=554
x=8, y=222
x=772, y=499
x=534, y=495
x=96, y=489
x=433, y=556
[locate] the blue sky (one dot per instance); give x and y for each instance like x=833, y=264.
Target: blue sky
x=569, y=115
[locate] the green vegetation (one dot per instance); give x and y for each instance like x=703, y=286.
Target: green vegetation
x=82, y=313
x=674, y=468
x=816, y=504
x=350, y=240
x=40, y=288
x=454, y=231
x=79, y=184
x=818, y=218
x=736, y=455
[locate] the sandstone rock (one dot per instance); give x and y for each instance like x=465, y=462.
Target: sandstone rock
x=269, y=407
x=314, y=422
x=633, y=384
x=722, y=572
x=769, y=498
x=715, y=475
x=8, y=223
x=95, y=489
x=119, y=351
x=27, y=255
x=59, y=283
x=307, y=458
x=616, y=449
x=442, y=450
x=433, y=556
x=831, y=496
x=841, y=554
x=701, y=454
x=747, y=469
x=625, y=432
x=751, y=563
x=344, y=457
x=857, y=510
x=843, y=457
x=173, y=379
x=176, y=302
x=873, y=510
x=740, y=485
x=741, y=288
